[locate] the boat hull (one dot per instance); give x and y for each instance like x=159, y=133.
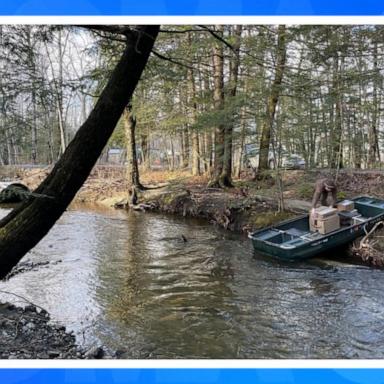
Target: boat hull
x=322, y=244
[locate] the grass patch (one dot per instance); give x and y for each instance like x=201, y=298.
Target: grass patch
x=265, y=219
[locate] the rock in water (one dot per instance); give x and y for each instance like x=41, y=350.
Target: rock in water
x=14, y=193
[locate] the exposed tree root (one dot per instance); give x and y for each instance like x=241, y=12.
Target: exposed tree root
x=367, y=248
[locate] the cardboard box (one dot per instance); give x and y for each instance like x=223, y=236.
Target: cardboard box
x=324, y=226
x=322, y=212
x=346, y=205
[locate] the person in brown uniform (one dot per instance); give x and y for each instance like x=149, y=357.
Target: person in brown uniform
x=324, y=188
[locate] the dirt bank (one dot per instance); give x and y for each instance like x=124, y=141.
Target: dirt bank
x=230, y=209
x=248, y=206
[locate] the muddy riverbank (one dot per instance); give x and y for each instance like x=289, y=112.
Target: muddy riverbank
x=27, y=334
x=232, y=209
x=250, y=205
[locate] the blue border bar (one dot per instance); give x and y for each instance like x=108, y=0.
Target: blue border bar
x=192, y=376
x=190, y=7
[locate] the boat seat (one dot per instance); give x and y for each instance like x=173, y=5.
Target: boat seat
x=295, y=242
x=312, y=236
x=296, y=232
x=268, y=235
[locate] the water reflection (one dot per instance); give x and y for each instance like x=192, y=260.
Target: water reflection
x=132, y=283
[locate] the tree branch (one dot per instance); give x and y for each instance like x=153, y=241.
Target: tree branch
x=160, y=56
x=116, y=29
x=218, y=37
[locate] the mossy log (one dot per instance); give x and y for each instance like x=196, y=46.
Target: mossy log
x=14, y=193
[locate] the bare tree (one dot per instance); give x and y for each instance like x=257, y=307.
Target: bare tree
x=26, y=225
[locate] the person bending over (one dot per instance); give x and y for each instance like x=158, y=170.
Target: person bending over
x=324, y=188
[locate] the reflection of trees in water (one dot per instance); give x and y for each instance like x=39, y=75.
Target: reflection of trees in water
x=206, y=298
x=172, y=297
x=121, y=268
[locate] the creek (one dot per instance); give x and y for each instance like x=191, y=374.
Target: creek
x=156, y=286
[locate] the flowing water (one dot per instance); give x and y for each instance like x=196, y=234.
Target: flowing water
x=130, y=282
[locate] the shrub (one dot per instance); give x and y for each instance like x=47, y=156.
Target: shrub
x=341, y=195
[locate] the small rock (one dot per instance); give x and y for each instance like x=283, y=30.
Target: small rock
x=30, y=325
x=119, y=353
x=94, y=353
x=53, y=354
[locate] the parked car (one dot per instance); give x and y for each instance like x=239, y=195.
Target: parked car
x=288, y=161
x=251, y=157
x=293, y=162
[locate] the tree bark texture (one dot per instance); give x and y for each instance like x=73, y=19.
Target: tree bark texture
x=130, y=127
x=218, y=100
x=26, y=225
x=194, y=133
x=273, y=99
x=226, y=173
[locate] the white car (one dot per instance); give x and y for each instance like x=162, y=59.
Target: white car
x=251, y=157
x=288, y=161
x=293, y=162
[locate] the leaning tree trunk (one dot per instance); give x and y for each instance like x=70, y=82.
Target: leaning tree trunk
x=273, y=99
x=133, y=169
x=25, y=226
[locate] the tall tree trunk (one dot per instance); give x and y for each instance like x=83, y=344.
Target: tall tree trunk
x=32, y=68
x=195, y=154
x=337, y=152
x=373, y=142
x=242, y=142
x=194, y=134
x=273, y=99
x=26, y=225
x=185, y=138
x=133, y=169
x=218, y=99
x=226, y=174
x=182, y=150
x=208, y=151
x=60, y=109
x=145, y=151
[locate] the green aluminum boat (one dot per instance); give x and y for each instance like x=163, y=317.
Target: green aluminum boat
x=292, y=240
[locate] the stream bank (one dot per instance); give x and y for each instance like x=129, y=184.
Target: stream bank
x=233, y=210
x=248, y=206
x=27, y=334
